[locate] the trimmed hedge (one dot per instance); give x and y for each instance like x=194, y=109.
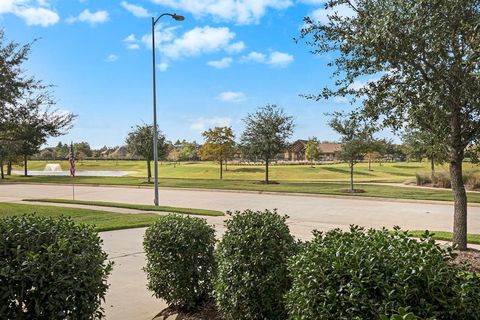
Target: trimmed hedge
x=361, y=274
x=180, y=260
x=252, y=266
x=51, y=268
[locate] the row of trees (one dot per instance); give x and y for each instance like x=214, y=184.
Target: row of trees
x=28, y=117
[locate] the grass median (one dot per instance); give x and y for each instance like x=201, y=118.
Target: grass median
x=101, y=220
x=142, y=207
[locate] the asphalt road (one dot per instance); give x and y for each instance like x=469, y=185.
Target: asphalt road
x=128, y=297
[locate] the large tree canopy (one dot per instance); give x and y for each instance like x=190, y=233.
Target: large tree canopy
x=140, y=143
x=420, y=60
x=266, y=134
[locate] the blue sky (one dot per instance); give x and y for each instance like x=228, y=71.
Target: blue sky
x=225, y=60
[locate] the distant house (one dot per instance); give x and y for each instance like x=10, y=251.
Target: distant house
x=296, y=151
x=119, y=153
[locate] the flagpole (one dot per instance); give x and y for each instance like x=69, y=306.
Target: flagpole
x=71, y=160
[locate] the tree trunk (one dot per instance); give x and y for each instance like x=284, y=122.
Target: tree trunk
x=456, y=177
x=460, y=201
x=351, y=176
x=25, y=164
x=266, y=172
x=149, y=171
x=1, y=169
x=432, y=168
x=9, y=168
x=369, y=163
x=221, y=170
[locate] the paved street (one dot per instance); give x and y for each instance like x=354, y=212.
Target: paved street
x=128, y=297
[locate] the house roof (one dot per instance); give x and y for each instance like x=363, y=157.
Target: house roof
x=324, y=147
x=329, y=147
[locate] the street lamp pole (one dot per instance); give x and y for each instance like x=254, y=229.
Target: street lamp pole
x=155, y=130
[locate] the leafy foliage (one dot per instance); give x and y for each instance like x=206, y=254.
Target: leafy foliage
x=140, y=143
x=312, y=153
x=359, y=274
x=252, y=266
x=356, y=138
x=420, y=60
x=180, y=260
x=50, y=269
x=266, y=134
x=219, y=145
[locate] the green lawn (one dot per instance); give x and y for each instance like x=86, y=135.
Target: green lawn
x=102, y=220
x=202, y=212
x=447, y=236
x=387, y=172
x=371, y=190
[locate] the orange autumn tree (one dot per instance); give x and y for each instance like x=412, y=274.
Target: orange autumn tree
x=219, y=145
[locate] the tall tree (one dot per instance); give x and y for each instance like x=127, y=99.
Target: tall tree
x=424, y=56
x=219, y=145
x=140, y=143
x=312, y=152
x=356, y=137
x=420, y=144
x=266, y=134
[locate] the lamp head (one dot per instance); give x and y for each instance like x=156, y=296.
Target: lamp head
x=178, y=17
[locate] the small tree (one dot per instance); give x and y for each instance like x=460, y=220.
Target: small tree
x=266, y=134
x=219, y=145
x=312, y=152
x=35, y=122
x=356, y=137
x=421, y=144
x=140, y=143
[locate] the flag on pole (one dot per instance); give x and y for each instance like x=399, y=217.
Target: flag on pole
x=71, y=159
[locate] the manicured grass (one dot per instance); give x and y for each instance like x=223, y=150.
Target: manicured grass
x=386, y=172
x=193, y=211
x=102, y=220
x=371, y=190
x=445, y=235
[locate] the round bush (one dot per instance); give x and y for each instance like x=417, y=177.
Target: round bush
x=252, y=266
x=361, y=274
x=180, y=260
x=50, y=268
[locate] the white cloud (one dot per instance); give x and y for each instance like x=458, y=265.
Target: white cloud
x=255, y=57
x=137, y=11
x=221, y=64
x=161, y=36
x=133, y=46
x=111, y=58
x=92, y=18
x=236, y=47
x=163, y=66
x=197, y=41
x=131, y=42
x=279, y=59
x=201, y=124
x=321, y=14
x=35, y=14
x=231, y=96
x=274, y=59
x=238, y=11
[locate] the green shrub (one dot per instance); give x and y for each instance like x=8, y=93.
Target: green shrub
x=180, y=260
x=252, y=266
x=442, y=180
x=422, y=179
x=360, y=274
x=50, y=269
